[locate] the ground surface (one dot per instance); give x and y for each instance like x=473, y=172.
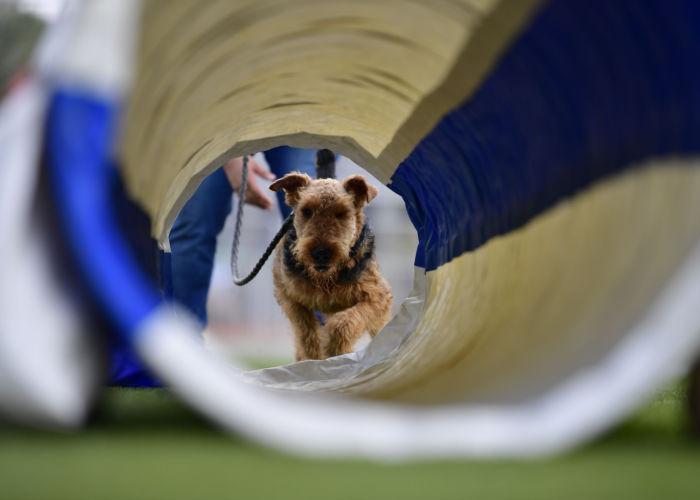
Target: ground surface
x=145, y=444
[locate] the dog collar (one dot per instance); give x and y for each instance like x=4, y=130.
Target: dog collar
x=360, y=254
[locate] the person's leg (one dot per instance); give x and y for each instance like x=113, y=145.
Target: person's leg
x=285, y=159
x=193, y=243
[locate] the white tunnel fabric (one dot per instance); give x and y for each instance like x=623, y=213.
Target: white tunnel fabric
x=48, y=365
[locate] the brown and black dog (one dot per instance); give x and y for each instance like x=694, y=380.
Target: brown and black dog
x=327, y=263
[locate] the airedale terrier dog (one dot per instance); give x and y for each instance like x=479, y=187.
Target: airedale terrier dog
x=327, y=263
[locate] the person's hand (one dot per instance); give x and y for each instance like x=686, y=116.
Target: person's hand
x=254, y=193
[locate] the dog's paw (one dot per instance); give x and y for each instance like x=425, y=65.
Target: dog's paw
x=340, y=334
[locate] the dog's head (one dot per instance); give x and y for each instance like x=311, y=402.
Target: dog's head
x=328, y=219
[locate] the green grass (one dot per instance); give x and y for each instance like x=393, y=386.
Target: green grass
x=145, y=444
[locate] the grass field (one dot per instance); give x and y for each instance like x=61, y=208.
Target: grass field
x=143, y=443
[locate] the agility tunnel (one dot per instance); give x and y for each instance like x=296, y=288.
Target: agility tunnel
x=547, y=154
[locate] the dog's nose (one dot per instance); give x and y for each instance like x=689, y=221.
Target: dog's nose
x=321, y=254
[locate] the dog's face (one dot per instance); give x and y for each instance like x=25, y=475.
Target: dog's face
x=328, y=219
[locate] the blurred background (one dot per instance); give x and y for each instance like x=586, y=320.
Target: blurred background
x=21, y=23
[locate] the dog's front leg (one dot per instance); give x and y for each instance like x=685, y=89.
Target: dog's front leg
x=306, y=329
x=345, y=327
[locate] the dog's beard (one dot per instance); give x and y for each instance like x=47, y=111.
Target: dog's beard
x=323, y=280
x=322, y=277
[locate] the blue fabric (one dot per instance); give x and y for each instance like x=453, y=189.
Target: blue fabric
x=588, y=89
x=135, y=226
x=80, y=132
x=125, y=369
x=86, y=186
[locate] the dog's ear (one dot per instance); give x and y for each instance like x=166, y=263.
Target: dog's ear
x=362, y=192
x=291, y=183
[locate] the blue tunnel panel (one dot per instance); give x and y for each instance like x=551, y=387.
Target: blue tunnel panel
x=590, y=88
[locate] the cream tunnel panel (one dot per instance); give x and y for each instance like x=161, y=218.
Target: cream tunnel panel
x=367, y=79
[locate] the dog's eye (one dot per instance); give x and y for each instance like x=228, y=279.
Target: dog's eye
x=306, y=212
x=340, y=215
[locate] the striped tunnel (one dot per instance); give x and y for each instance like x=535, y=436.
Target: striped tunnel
x=547, y=155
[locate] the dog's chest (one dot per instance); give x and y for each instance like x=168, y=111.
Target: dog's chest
x=336, y=298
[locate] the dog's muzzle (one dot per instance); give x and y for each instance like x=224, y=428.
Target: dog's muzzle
x=321, y=254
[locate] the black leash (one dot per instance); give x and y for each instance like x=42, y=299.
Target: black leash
x=325, y=169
